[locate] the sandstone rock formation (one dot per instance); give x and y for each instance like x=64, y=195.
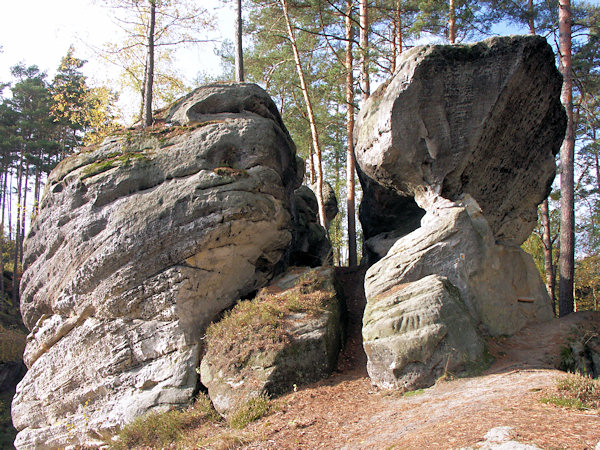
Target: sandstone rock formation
x=465, y=135
x=138, y=245
x=483, y=119
x=288, y=336
x=311, y=246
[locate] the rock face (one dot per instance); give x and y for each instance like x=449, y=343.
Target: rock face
x=288, y=336
x=138, y=245
x=483, y=119
x=311, y=247
x=416, y=332
x=460, y=146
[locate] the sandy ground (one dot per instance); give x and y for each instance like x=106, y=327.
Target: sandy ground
x=347, y=412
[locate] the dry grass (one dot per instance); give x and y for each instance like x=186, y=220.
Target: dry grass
x=259, y=324
x=254, y=409
x=12, y=344
x=575, y=391
x=158, y=430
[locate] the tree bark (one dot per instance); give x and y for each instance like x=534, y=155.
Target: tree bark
x=149, y=67
x=350, y=182
x=311, y=116
x=15, y=282
x=530, y=17
x=3, y=199
x=547, y=242
x=239, y=53
x=452, y=23
x=364, y=50
x=567, y=199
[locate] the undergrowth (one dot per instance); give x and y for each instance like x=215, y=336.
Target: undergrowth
x=575, y=391
x=158, y=430
x=7, y=431
x=254, y=409
x=197, y=426
x=12, y=344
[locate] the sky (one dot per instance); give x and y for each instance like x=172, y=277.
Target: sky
x=40, y=32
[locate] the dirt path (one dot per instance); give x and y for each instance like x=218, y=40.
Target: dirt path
x=346, y=411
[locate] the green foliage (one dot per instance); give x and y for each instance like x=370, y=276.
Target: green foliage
x=587, y=283
x=413, y=393
x=7, y=431
x=575, y=391
x=254, y=409
x=159, y=430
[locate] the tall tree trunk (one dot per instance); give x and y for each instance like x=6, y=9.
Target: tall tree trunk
x=548, y=263
x=3, y=199
x=150, y=67
x=452, y=23
x=311, y=116
x=15, y=280
x=9, y=208
x=311, y=166
x=23, y=214
x=567, y=198
x=530, y=17
x=239, y=53
x=350, y=196
x=397, y=35
x=364, y=50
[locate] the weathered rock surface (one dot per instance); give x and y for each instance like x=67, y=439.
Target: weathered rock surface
x=311, y=246
x=499, y=284
x=417, y=331
x=330, y=201
x=483, y=119
x=138, y=245
x=466, y=135
x=288, y=336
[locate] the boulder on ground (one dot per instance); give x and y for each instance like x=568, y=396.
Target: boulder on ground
x=416, y=332
x=289, y=335
x=138, y=245
x=499, y=285
x=465, y=134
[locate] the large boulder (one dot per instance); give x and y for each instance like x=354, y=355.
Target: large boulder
x=417, y=332
x=138, y=245
x=483, y=119
x=499, y=285
x=460, y=146
x=289, y=335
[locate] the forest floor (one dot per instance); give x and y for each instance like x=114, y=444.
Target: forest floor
x=347, y=411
